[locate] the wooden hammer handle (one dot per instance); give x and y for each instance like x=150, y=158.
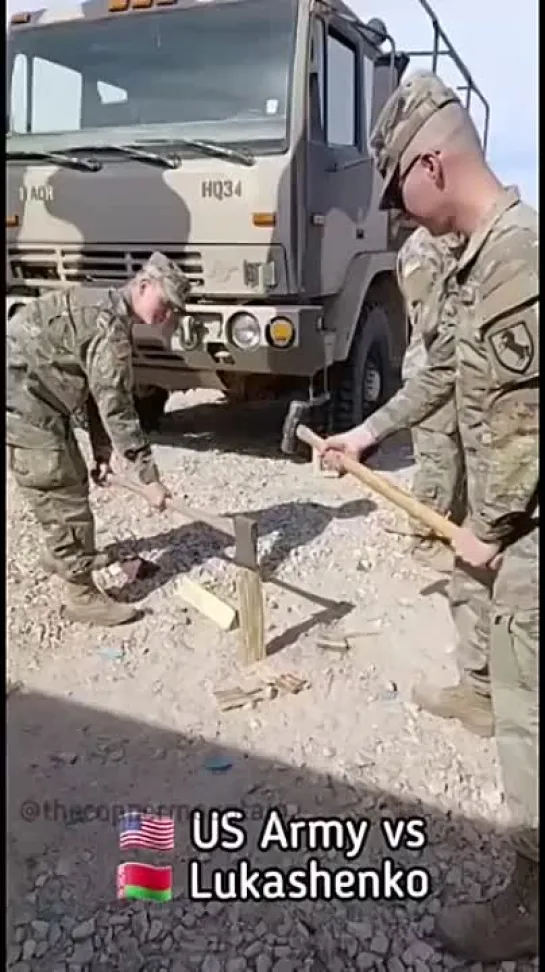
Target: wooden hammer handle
x=220, y=523
x=399, y=497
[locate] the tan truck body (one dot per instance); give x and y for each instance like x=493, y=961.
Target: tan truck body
x=275, y=223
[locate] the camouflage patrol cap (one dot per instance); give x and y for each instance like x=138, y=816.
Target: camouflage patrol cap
x=394, y=141
x=174, y=283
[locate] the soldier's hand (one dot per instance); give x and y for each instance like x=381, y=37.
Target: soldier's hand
x=157, y=495
x=474, y=551
x=101, y=472
x=350, y=444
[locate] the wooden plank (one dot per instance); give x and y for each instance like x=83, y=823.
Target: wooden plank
x=207, y=603
x=249, y=592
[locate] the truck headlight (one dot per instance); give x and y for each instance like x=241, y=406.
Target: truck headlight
x=243, y=331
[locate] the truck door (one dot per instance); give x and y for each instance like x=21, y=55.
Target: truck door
x=339, y=168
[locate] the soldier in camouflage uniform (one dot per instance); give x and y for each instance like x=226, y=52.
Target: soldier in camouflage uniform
x=423, y=267
x=68, y=350
x=428, y=153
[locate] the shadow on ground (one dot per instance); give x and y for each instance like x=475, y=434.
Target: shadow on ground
x=292, y=525
x=252, y=429
x=72, y=769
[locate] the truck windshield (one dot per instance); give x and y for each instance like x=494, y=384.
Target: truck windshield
x=213, y=70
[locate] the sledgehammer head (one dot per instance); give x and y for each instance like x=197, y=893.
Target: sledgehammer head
x=297, y=412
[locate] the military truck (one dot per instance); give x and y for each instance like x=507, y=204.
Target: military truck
x=233, y=135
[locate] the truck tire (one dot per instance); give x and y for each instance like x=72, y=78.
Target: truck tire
x=366, y=380
x=150, y=408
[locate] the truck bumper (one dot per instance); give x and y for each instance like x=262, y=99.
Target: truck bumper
x=206, y=342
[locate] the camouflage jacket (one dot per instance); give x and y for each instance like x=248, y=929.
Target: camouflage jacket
x=499, y=337
x=62, y=348
x=487, y=351
x=424, y=266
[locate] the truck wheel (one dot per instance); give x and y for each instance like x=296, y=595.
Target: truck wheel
x=366, y=379
x=150, y=407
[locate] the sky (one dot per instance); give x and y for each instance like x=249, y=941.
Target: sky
x=498, y=43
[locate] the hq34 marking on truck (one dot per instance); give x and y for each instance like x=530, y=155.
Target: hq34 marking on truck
x=233, y=135
x=220, y=189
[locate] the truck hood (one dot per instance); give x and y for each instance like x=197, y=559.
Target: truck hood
x=211, y=216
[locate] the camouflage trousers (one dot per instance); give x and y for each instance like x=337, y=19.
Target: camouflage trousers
x=514, y=669
x=55, y=485
x=470, y=599
x=470, y=594
x=515, y=699
x=440, y=482
x=439, y=478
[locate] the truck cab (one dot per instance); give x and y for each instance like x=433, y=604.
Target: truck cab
x=232, y=135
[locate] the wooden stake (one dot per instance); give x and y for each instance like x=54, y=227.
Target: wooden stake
x=249, y=592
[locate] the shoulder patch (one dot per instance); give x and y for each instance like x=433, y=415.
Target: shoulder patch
x=513, y=347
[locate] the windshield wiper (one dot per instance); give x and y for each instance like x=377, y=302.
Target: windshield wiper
x=59, y=158
x=135, y=152
x=216, y=149
x=220, y=151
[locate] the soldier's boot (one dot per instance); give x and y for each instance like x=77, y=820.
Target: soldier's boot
x=433, y=553
x=500, y=930
x=460, y=702
x=48, y=565
x=86, y=604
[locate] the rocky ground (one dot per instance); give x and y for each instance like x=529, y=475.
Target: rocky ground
x=102, y=720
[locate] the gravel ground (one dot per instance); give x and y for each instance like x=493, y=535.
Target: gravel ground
x=99, y=720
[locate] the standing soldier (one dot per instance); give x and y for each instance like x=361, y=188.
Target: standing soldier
x=65, y=351
x=429, y=155
x=424, y=265
x=426, y=393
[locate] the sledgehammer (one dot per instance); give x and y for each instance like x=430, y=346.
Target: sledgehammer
x=378, y=484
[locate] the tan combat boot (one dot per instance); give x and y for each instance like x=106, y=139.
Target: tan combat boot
x=460, y=702
x=86, y=604
x=433, y=553
x=500, y=930
x=48, y=565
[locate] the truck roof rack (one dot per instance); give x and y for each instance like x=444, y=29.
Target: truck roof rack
x=443, y=47
x=375, y=33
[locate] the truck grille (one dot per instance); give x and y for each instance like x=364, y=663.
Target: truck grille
x=45, y=266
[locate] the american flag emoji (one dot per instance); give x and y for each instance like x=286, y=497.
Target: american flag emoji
x=144, y=830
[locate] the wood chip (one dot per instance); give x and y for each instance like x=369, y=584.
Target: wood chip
x=281, y=684
x=287, y=684
x=337, y=644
